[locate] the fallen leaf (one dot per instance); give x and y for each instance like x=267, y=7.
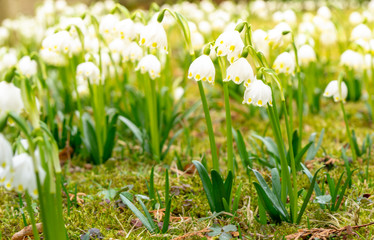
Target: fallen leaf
x=27, y=232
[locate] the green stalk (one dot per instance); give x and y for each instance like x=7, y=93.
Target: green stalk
x=354, y=154
x=32, y=217
x=290, y=106
x=230, y=159
x=209, y=125
x=282, y=155
x=293, y=194
x=150, y=98
x=300, y=102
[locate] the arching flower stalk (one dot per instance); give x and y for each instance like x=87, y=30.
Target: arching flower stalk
x=339, y=91
x=195, y=72
x=230, y=44
x=150, y=67
x=202, y=69
x=288, y=185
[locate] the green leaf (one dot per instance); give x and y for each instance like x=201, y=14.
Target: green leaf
x=323, y=199
x=215, y=231
x=133, y=128
x=110, y=138
x=276, y=184
x=246, y=161
x=228, y=187
x=355, y=144
x=148, y=215
x=90, y=139
x=307, y=197
x=218, y=190
x=165, y=226
x=225, y=236
x=269, y=143
x=300, y=154
x=207, y=184
x=230, y=228
x=237, y=198
x=267, y=203
x=137, y=213
x=312, y=152
x=271, y=196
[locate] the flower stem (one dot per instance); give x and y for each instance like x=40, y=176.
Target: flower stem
x=354, y=155
x=226, y=92
x=209, y=125
x=32, y=217
x=152, y=111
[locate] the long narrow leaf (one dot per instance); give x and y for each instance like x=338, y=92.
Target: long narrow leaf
x=307, y=197
x=207, y=184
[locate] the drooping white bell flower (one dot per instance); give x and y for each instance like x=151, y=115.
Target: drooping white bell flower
x=88, y=71
x=258, y=94
x=6, y=152
x=107, y=27
x=154, y=36
x=150, y=64
x=27, y=66
x=24, y=178
x=229, y=43
x=239, y=72
x=361, y=32
x=306, y=55
x=202, y=68
x=332, y=90
x=352, y=59
x=284, y=63
x=275, y=37
x=133, y=52
x=126, y=29
x=10, y=98
x=258, y=39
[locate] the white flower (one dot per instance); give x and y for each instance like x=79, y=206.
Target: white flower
x=361, y=32
x=154, y=36
x=202, y=68
x=178, y=93
x=88, y=71
x=4, y=34
x=332, y=90
x=6, y=152
x=355, y=18
x=24, y=178
x=126, y=29
x=275, y=37
x=9, y=60
x=133, y=52
x=239, y=72
x=324, y=12
x=258, y=39
x=352, y=59
x=258, y=94
x=284, y=63
x=10, y=98
x=27, y=66
x=306, y=55
x=150, y=64
x=107, y=27
x=197, y=40
x=229, y=43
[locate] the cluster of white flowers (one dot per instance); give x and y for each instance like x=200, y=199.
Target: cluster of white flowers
x=17, y=171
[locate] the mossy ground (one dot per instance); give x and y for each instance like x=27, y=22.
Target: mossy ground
x=134, y=170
